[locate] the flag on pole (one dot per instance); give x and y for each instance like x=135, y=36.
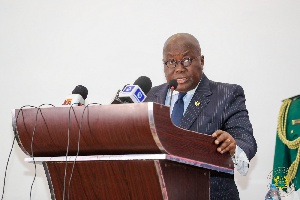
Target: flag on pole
x=286, y=170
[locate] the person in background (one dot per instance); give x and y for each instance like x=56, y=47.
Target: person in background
x=208, y=107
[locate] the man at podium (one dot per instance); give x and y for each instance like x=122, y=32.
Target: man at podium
x=208, y=107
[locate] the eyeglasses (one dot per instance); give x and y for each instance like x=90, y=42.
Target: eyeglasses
x=185, y=62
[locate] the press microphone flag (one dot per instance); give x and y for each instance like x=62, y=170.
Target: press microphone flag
x=132, y=94
x=78, y=96
x=136, y=93
x=74, y=100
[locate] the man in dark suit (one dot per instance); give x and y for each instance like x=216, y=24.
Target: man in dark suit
x=213, y=108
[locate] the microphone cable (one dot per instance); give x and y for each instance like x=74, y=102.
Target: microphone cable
x=32, y=139
x=68, y=145
x=15, y=137
x=78, y=148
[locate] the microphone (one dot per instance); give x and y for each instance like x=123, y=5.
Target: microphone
x=135, y=93
x=172, y=85
x=78, y=96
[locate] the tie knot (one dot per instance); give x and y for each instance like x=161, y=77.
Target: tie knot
x=181, y=95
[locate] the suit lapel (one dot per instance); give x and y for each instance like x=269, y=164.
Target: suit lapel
x=199, y=101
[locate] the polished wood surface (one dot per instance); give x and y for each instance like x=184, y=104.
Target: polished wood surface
x=109, y=129
x=127, y=180
x=185, y=181
x=188, y=144
x=119, y=180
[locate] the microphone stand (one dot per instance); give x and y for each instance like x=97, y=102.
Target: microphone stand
x=171, y=94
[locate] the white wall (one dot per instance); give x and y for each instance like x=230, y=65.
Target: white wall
x=48, y=47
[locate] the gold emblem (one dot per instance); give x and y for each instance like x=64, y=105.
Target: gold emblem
x=281, y=182
x=197, y=103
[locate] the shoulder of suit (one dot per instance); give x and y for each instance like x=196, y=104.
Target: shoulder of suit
x=157, y=88
x=226, y=85
x=293, y=97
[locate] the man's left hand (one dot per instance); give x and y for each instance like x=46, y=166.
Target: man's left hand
x=224, y=141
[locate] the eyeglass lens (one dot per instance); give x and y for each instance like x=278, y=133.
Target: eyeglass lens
x=184, y=62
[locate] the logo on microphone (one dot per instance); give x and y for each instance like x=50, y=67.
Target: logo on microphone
x=67, y=102
x=139, y=95
x=128, y=88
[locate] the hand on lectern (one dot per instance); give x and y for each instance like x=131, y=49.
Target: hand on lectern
x=224, y=141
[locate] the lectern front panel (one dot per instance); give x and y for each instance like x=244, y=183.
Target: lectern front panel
x=118, y=180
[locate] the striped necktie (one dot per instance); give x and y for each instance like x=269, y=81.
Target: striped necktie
x=178, y=108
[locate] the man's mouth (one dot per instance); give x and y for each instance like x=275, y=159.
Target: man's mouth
x=181, y=80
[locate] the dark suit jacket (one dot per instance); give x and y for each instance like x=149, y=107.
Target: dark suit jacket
x=222, y=106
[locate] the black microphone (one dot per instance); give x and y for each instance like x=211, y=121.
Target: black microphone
x=78, y=96
x=172, y=85
x=80, y=89
x=144, y=82
x=135, y=93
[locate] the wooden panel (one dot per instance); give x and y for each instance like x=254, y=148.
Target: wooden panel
x=184, y=181
x=118, y=180
x=114, y=129
x=109, y=129
x=128, y=180
x=188, y=144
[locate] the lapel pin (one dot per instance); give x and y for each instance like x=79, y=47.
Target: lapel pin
x=295, y=121
x=197, y=103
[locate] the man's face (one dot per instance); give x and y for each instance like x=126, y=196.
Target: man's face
x=187, y=77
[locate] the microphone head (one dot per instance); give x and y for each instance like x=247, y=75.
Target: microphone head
x=173, y=84
x=81, y=90
x=144, y=83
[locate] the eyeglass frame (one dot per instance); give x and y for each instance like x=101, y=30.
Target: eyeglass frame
x=180, y=61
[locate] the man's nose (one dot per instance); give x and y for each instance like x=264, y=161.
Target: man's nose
x=179, y=68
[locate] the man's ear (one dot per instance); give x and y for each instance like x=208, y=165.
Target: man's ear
x=202, y=62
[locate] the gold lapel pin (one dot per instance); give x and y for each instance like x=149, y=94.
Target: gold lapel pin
x=197, y=103
x=295, y=121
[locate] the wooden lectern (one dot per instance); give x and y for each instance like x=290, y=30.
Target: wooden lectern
x=118, y=152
